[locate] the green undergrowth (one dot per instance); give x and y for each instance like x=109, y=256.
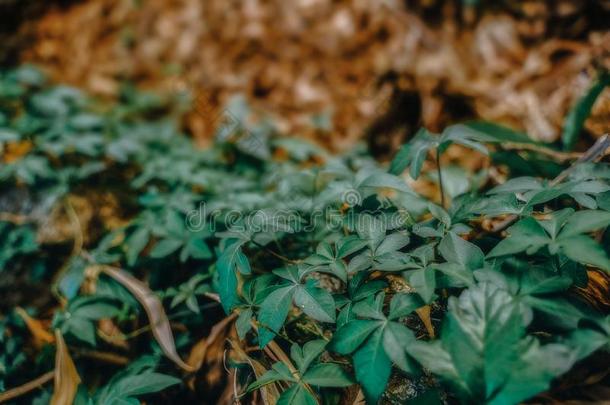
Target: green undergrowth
x=335, y=259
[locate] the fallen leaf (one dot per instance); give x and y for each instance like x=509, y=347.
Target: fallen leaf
x=36, y=328
x=16, y=150
x=208, y=357
x=200, y=349
x=353, y=396
x=424, y=315
x=269, y=392
x=154, y=310
x=110, y=333
x=66, y=376
x=597, y=291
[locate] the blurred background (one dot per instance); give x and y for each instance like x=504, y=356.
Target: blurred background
x=332, y=71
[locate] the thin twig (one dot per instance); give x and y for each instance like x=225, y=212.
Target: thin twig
x=440, y=177
x=275, y=254
x=212, y=296
x=595, y=152
x=17, y=219
x=105, y=357
x=27, y=387
x=530, y=147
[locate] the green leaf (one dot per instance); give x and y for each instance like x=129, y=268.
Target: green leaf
x=401, y=160
x=135, y=385
x=414, y=153
x=230, y=260
x=279, y=372
x=403, y=304
x=242, y=324
x=580, y=112
x=392, y=243
x=440, y=214
x=135, y=243
x=457, y=275
x=82, y=329
x=315, y=302
x=587, y=340
x=603, y=201
x=303, y=357
x=373, y=367
x=457, y=250
x=92, y=308
x=371, y=307
x=325, y=250
x=349, y=245
x=557, y=220
x=351, y=335
x=296, y=395
x=517, y=185
x=585, y=221
x=490, y=132
x=273, y=312
x=559, y=312
x=165, y=247
x=396, y=338
x=328, y=375
x=585, y=250
x=385, y=180
x=526, y=234
x=197, y=248
x=539, y=365
x=463, y=135
x=484, y=355
x=423, y=281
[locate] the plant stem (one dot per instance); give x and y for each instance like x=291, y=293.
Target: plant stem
x=27, y=387
x=595, y=152
x=77, y=247
x=440, y=177
x=555, y=155
x=275, y=254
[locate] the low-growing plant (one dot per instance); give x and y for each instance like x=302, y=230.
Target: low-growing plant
x=466, y=279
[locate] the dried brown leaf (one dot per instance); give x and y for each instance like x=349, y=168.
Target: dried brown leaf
x=36, y=327
x=200, y=349
x=110, y=333
x=157, y=317
x=442, y=71
x=597, y=291
x=424, y=315
x=353, y=396
x=15, y=151
x=269, y=392
x=66, y=376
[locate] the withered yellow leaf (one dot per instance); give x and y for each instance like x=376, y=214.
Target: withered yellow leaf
x=36, y=328
x=66, y=377
x=157, y=317
x=200, y=350
x=270, y=392
x=424, y=315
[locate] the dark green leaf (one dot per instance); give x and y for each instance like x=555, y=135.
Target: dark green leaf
x=328, y=375
x=580, y=112
x=373, y=367
x=273, y=312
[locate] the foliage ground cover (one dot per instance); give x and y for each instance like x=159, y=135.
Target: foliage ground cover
x=125, y=250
